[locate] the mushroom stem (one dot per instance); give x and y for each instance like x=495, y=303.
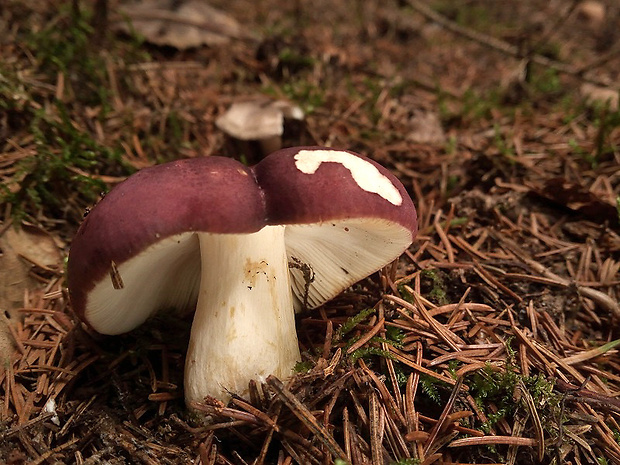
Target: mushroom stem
x=244, y=326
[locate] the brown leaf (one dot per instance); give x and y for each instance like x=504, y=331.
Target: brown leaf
x=33, y=244
x=577, y=198
x=7, y=345
x=20, y=249
x=426, y=128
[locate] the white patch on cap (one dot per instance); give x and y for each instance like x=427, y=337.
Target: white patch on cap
x=365, y=174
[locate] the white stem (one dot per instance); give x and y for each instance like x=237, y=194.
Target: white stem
x=244, y=327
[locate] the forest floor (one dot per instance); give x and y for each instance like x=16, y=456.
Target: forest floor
x=491, y=340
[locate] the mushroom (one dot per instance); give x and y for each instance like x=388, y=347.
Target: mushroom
x=242, y=246
x=260, y=120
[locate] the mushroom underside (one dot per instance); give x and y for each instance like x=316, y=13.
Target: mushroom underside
x=323, y=258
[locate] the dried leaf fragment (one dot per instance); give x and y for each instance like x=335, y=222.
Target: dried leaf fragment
x=20, y=249
x=182, y=25
x=596, y=95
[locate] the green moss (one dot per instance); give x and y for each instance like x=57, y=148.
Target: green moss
x=351, y=323
x=490, y=385
x=67, y=45
x=307, y=95
x=547, y=81
x=67, y=156
x=303, y=366
x=437, y=292
x=291, y=58
x=430, y=387
x=366, y=352
x=53, y=172
x=606, y=121
x=394, y=335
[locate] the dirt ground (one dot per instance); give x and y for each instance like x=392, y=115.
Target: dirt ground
x=491, y=340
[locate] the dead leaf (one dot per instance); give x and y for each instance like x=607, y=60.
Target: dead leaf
x=35, y=245
x=21, y=249
x=426, y=128
x=607, y=238
x=577, y=198
x=7, y=344
x=182, y=25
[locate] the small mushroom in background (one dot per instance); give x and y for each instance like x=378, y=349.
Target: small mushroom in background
x=244, y=247
x=261, y=120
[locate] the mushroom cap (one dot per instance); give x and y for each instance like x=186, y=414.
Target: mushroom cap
x=318, y=184
x=345, y=215
x=161, y=203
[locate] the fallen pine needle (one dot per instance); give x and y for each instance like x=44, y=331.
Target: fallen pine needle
x=590, y=354
x=485, y=440
x=302, y=412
